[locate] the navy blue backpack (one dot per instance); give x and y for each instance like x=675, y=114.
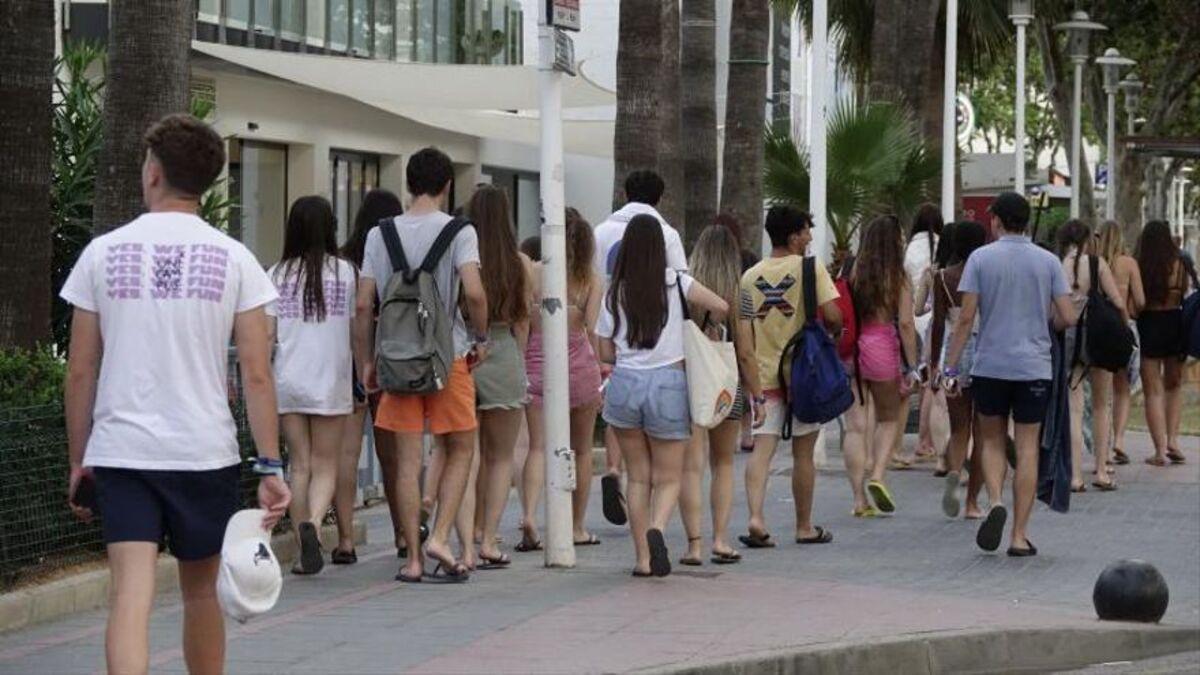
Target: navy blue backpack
x=1191, y=316
x=819, y=389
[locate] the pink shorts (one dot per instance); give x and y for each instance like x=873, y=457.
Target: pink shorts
x=879, y=352
x=583, y=369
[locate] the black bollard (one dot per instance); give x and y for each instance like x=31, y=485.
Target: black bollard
x=1131, y=590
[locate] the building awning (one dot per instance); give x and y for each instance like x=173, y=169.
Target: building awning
x=476, y=100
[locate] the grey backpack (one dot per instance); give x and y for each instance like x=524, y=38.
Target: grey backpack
x=414, y=342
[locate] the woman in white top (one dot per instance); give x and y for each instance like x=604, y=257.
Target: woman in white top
x=646, y=403
x=1074, y=240
x=919, y=263
x=313, y=362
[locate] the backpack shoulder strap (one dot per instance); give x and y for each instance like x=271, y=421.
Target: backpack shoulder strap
x=442, y=244
x=808, y=272
x=391, y=239
x=687, y=315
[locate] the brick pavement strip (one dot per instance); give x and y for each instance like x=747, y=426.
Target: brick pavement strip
x=897, y=594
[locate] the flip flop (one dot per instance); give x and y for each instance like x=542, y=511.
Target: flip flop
x=1175, y=456
x=442, y=574
x=1156, y=461
x=311, y=560
x=753, y=540
x=726, y=558
x=881, y=496
x=528, y=546
x=1079, y=488
x=941, y=473
x=823, y=536
x=498, y=563
x=641, y=575
x=691, y=562
x=950, y=503
x=868, y=512
x=1110, y=486
x=340, y=557
x=898, y=464
x=404, y=578
x=1015, y=552
x=660, y=561
x=591, y=540
x=992, y=530
x=614, y=502
x=1119, y=456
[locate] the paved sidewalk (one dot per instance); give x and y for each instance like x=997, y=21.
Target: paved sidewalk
x=914, y=574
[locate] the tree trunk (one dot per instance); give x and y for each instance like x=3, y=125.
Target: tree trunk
x=1059, y=87
x=699, y=84
x=745, y=117
x=639, y=56
x=26, y=76
x=670, y=155
x=904, y=60
x=148, y=46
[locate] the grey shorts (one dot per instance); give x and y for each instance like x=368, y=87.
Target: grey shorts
x=654, y=400
x=500, y=380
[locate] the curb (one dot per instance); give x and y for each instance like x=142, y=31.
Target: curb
x=89, y=590
x=974, y=651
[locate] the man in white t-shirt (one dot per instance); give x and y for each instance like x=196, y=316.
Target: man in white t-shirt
x=153, y=445
x=448, y=414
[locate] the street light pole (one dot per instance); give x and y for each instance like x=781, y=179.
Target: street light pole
x=560, y=468
x=816, y=133
x=1078, y=30
x=949, y=119
x=1111, y=63
x=1021, y=14
x=1132, y=86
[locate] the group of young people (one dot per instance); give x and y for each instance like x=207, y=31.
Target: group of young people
x=158, y=300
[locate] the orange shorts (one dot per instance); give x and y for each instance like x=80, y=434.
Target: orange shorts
x=449, y=411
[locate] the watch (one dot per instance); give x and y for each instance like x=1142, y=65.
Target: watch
x=266, y=466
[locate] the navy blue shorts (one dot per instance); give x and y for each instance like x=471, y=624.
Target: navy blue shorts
x=1025, y=400
x=188, y=510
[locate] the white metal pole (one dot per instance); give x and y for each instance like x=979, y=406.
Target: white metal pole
x=1110, y=191
x=1019, y=163
x=949, y=121
x=560, y=467
x=816, y=134
x=1076, y=117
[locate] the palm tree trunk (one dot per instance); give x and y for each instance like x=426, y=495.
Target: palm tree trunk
x=903, y=57
x=670, y=156
x=639, y=56
x=26, y=76
x=148, y=46
x=699, y=84
x=745, y=117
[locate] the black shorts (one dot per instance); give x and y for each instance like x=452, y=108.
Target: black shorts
x=1025, y=400
x=186, y=509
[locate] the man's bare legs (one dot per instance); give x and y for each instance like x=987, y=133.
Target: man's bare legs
x=758, y=469
x=409, y=450
x=203, y=623
x=1025, y=482
x=989, y=442
x=458, y=450
x=130, y=597
x=804, y=478
x=389, y=466
x=583, y=428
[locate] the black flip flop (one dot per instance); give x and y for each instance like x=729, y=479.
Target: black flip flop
x=992, y=530
x=527, y=546
x=498, y=563
x=823, y=536
x=340, y=557
x=752, y=540
x=442, y=574
x=592, y=540
x=660, y=561
x=614, y=502
x=691, y=562
x=402, y=577
x=1110, y=486
x=726, y=558
x=1176, y=456
x=1119, y=456
x=311, y=560
x=1015, y=552
x=642, y=575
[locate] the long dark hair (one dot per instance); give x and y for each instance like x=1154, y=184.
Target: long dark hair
x=968, y=236
x=1158, y=257
x=376, y=205
x=581, y=248
x=500, y=265
x=928, y=219
x=879, y=272
x=945, y=247
x=638, y=286
x=1074, y=233
x=308, y=241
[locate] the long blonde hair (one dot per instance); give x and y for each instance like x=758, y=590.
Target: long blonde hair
x=717, y=262
x=1111, y=242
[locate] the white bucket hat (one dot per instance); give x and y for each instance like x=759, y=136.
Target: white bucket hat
x=250, y=579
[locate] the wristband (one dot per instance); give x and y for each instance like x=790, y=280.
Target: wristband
x=949, y=371
x=266, y=466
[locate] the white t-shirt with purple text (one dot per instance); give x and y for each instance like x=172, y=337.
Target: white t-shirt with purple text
x=166, y=288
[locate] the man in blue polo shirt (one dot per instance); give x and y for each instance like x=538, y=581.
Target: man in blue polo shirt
x=1018, y=290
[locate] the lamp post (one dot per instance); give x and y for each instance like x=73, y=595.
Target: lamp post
x=1132, y=86
x=1020, y=12
x=1111, y=63
x=819, y=60
x=949, y=119
x=1078, y=30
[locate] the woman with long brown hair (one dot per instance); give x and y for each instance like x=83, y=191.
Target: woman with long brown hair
x=887, y=350
x=1111, y=248
x=716, y=263
x=500, y=387
x=1160, y=328
x=583, y=305
x=641, y=333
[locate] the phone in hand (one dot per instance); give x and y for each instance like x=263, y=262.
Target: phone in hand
x=85, y=494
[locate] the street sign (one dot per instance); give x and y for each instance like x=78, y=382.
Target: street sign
x=964, y=114
x=1101, y=179
x=564, y=53
x=563, y=14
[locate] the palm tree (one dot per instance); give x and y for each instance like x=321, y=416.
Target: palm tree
x=26, y=76
x=876, y=164
x=699, y=96
x=639, y=55
x=745, y=116
x=148, y=45
x=670, y=157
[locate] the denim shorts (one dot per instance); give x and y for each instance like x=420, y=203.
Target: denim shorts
x=654, y=400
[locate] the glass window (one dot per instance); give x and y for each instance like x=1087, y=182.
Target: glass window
x=264, y=17
x=424, y=38
x=258, y=185
x=354, y=174
x=339, y=24
x=404, y=30
x=445, y=31
x=291, y=19
x=314, y=19
x=237, y=13
x=209, y=11
x=360, y=27
x=385, y=36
